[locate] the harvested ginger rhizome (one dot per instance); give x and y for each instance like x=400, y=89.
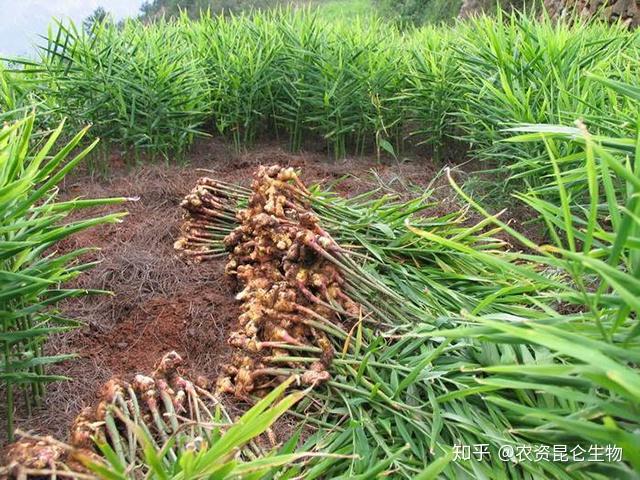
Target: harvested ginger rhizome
x=291, y=289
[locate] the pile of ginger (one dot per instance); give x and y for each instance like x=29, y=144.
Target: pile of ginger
x=290, y=288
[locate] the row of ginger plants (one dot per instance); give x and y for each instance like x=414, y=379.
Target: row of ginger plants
x=353, y=87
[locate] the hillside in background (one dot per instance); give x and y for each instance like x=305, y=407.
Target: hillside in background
x=416, y=12
x=329, y=8
x=157, y=8
x=405, y=11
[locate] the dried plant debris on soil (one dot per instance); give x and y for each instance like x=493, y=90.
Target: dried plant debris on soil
x=291, y=290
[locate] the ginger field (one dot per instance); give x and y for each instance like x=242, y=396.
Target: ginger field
x=286, y=244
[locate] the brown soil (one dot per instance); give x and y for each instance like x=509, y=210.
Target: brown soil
x=159, y=303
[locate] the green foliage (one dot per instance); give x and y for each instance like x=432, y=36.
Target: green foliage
x=10, y=92
x=341, y=10
x=343, y=83
x=424, y=12
x=465, y=342
x=330, y=10
x=359, y=84
x=533, y=72
x=418, y=12
x=241, y=65
x=595, y=253
x=18, y=94
x=138, y=87
x=392, y=384
x=31, y=272
x=288, y=73
x=155, y=9
x=485, y=346
x=432, y=93
x=441, y=11
x=98, y=16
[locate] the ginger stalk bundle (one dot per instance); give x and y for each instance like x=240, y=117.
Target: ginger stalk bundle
x=292, y=288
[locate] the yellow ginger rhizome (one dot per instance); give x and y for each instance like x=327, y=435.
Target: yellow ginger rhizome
x=292, y=292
